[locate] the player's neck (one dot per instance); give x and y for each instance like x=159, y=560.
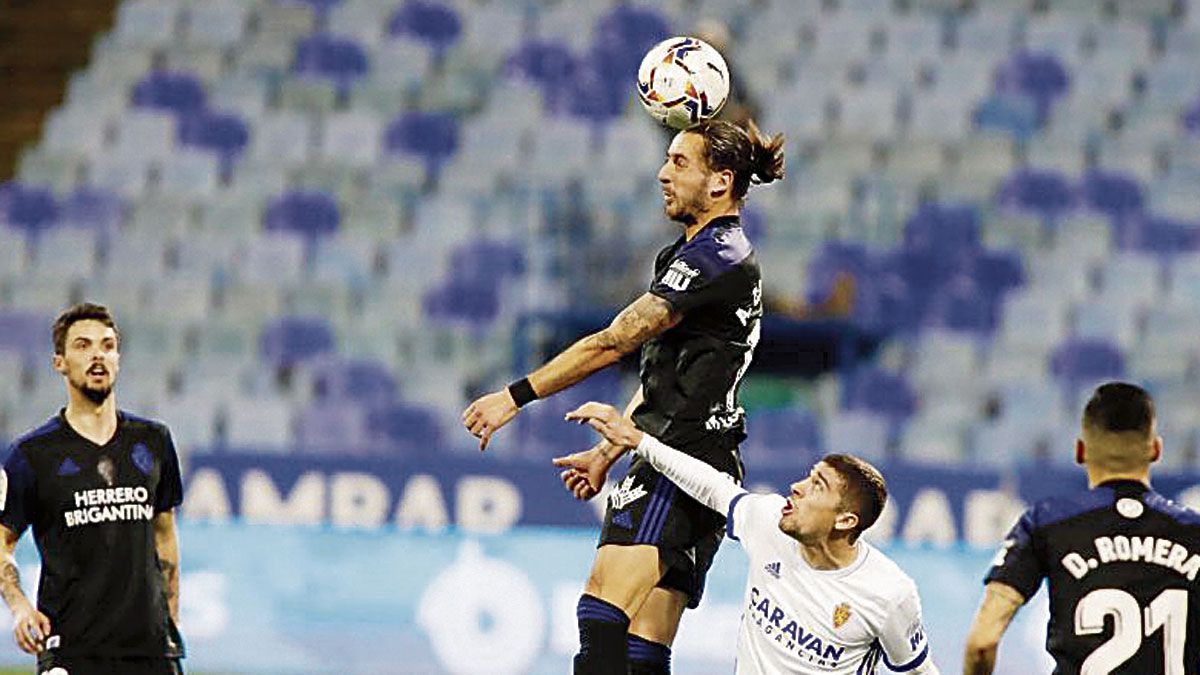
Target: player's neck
x=96, y=422
x=1097, y=476
x=830, y=554
x=703, y=219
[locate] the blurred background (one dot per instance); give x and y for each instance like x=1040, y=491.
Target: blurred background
x=326, y=225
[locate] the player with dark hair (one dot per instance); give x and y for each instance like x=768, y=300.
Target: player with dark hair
x=818, y=600
x=99, y=488
x=697, y=328
x=1121, y=559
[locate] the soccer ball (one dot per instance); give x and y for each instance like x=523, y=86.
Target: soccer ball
x=682, y=81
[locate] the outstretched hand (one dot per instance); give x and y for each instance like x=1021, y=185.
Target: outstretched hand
x=605, y=419
x=487, y=414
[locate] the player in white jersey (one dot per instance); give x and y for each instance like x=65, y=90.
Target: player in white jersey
x=818, y=600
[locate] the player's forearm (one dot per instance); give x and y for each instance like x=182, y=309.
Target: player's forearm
x=980, y=659
x=700, y=481
x=166, y=544
x=590, y=354
x=10, y=583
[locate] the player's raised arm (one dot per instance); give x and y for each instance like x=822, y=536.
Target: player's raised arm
x=1000, y=604
x=642, y=320
x=30, y=627
x=702, y=482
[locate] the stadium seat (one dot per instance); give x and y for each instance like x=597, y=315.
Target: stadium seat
x=1078, y=361
x=290, y=340
x=434, y=23
x=1046, y=193
x=310, y=213
x=29, y=208
x=340, y=60
x=225, y=134
x=431, y=136
x=25, y=332
x=788, y=437
x=171, y=91
x=403, y=429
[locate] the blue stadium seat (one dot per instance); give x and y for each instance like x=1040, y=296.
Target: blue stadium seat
x=1078, y=361
x=362, y=381
x=29, y=208
x=964, y=308
x=177, y=92
x=943, y=229
x=289, y=340
x=474, y=302
x=404, y=428
x=434, y=23
x=785, y=437
x=226, y=134
x=310, y=213
x=340, y=60
x=432, y=136
x=880, y=392
x=93, y=208
x=1044, y=192
x=25, y=332
x=487, y=261
x=1116, y=194
x=1041, y=76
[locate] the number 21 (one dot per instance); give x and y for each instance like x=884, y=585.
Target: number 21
x=1167, y=611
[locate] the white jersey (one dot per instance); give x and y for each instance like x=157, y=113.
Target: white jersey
x=797, y=619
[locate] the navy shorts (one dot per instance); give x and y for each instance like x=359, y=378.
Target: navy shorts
x=646, y=508
x=88, y=665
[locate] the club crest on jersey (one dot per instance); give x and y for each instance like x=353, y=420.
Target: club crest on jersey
x=841, y=614
x=142, y=459
x=679, y=276
x=772, y=568
x=625, y=494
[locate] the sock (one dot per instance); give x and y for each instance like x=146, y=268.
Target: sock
x=648, y=658
x=602, y=629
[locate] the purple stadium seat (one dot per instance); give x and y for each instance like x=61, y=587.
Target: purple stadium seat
x=488, y=261
x=551, y=66
x=475, y=302
x=430, y=135
x=29, y=208
x=25, y=332
x=434, y=23
x=593, y=93
x=174, y=91
x=226, y=134
x=881, y=392
x=996, y=272
x=339, y=59
x=1042, y=77
x=320, y=8
x=1116, y=194
x=1163, y=236
x=832, y=259
x=1079, y=361
x=290, y=340
x=308, y=212
x=943, y=228
x=361, y=381
x=94, y=208
x=886, y=303
x=1045, y=192
x=634, y=28
x=964, y=307
x=1191, y=118
x=403, y=427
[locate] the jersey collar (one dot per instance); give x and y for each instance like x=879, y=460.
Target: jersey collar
x=1125, y=485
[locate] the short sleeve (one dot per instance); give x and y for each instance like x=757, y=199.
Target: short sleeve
x=169, y=492
x=691, y=279
x=902, y=637
x=753, y=519
x=1017, y=564
x=18, y=494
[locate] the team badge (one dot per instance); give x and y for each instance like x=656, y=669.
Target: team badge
x=142, y=458
x=841, y=614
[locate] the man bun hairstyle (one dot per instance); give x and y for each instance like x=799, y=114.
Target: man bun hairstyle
x=84, y=311
x=1120, y=407
x=864, y=492
x=751, y=155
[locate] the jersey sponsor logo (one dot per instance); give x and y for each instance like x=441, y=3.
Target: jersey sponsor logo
x=1120, y=548
x=104, y=505
x=723, y=421
x=841, y=614
x=772, y=568
x=142, y=459
x=775, y=623
x=679, y=275
x=68, y=467
x=625, y=494
x=1130, y=508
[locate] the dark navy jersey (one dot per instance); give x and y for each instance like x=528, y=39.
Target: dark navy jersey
x=690, y=373
x=1122, y=564
x=91, y=508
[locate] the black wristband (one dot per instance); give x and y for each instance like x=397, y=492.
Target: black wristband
x=522, y=392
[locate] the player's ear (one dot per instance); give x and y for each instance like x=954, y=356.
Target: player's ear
x=59, y=363
x=1080, y=451
x=720, y=182
x=1156, y=449
x=846, y=521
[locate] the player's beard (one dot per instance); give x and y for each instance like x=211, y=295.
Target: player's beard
x=684, y=212
x=96, y=395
